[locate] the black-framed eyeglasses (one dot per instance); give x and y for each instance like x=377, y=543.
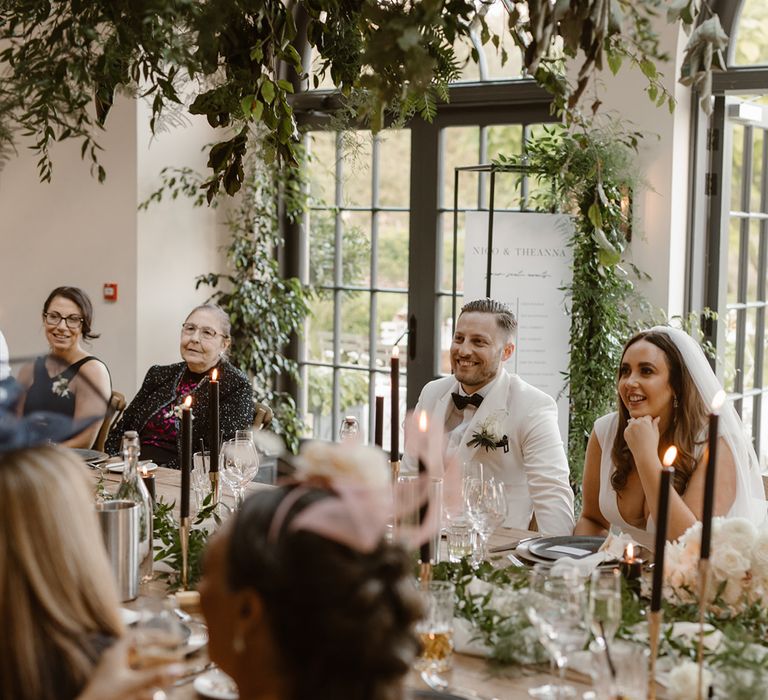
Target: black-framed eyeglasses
x=206, y=333
x=53, y=318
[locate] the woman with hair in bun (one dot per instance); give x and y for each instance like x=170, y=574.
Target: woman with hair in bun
x=68, y=380
x=303, y=597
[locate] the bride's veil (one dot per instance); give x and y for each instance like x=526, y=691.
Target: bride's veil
x=750, y=496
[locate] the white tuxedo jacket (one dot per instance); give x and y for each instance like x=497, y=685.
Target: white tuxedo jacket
x=535, y=470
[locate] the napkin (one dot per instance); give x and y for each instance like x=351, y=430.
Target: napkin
x=611, y=550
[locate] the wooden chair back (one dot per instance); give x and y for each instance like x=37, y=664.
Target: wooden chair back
x=263, y=416
x=115, y=409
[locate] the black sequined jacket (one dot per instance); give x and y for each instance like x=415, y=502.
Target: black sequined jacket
x=159, y=388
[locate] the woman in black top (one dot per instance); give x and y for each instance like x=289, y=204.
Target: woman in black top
x=68, y=380
x=155, y=411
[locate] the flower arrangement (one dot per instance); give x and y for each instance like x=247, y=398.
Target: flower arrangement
x=738, y=565
x=487, y=435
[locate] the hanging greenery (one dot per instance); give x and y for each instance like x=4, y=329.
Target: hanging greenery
x=591, y=175
x=235, y=62
x=265, y=309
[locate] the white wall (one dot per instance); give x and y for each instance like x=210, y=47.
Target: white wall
x=79, y=232
x=661, y=211
x=176, y=242
x=73, y=231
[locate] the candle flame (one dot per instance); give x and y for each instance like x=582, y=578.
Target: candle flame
x=188, y=402
x=629, y=552
x=669, y=456
x=423, y=422
x=718, y=400
x=144, y=470
x=214, y=375
x=395, y=351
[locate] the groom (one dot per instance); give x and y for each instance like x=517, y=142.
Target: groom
x=496, y=418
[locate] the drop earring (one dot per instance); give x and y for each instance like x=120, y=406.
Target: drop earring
x=238, y=643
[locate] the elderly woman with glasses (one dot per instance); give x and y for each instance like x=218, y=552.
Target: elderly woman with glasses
x=155, y=411
x=68, y=380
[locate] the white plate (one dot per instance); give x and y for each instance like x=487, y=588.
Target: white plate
x=117, y=467
x=216, y=684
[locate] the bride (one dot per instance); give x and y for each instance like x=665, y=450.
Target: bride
x=665, y=388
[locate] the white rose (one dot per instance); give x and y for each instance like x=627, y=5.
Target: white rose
x=359, y=463
x=728, y=563
x=760, y=554
x=683, y=681
x=740, y=533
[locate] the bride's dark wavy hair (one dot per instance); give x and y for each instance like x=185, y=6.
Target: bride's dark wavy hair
x=688, y=419
x=342, y=620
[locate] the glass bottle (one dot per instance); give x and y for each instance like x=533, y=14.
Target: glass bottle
x=132, y=488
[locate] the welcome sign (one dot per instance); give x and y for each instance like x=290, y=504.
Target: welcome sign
x=531, y=266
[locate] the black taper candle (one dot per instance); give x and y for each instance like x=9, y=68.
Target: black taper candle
x=378, y=431
x=186, y=454
x=425, y=551
x=213, y=421
x=709, y=481
x=394, y=375
x=661, y=537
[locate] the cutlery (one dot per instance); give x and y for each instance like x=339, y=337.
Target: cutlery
x=192, y=674
x=509, y=545
x=439, y=684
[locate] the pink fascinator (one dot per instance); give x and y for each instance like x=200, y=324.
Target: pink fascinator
x=357, y=513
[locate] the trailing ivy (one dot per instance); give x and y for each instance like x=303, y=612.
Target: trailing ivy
x=265, y=309
x=590, y=174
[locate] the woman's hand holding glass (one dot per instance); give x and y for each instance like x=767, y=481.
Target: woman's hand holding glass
x=238, y=464
x=486, y=503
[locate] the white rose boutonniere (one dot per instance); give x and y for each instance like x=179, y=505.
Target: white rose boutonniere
x=61, y=387
x=487, y=434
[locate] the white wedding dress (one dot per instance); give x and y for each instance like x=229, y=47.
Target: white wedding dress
x=749, y=502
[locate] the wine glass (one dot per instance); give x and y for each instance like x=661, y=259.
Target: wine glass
x=158, y=638
x=238, y=464
x=556, y=606
x=486, y=503
x=605, y=603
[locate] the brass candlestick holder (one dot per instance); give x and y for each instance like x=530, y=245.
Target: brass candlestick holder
x=703, y=594
x=395, y=467
x=425, y=574
x=654, y=628
x=215, y=493
x=184, y=527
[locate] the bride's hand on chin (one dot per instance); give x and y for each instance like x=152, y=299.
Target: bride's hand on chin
x=642, y=436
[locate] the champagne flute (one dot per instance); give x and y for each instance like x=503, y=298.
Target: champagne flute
x=556, y=607
x=605, y=603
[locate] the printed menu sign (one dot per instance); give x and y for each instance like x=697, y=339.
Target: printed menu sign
x=531, y=266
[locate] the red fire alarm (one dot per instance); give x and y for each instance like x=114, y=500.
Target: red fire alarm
x=110, y=291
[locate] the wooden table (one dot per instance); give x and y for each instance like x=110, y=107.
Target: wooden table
x=468, y=672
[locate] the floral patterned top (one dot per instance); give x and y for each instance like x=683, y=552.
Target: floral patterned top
x=163, y=427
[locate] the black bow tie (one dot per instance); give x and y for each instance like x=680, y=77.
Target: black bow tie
x=461, y=402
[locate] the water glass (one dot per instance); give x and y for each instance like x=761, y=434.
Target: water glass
x=411, y=492
x=199, y=478
x=556, y=606
x=158, y=637
x=605, y=603
x=460, y=538
x=630, y=665
x=435, y=629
